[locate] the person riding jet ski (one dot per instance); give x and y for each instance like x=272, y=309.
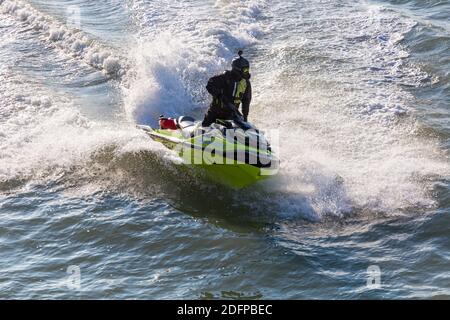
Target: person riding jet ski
x=229, y=90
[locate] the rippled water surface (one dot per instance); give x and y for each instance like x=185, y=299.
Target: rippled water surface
x=360, y=93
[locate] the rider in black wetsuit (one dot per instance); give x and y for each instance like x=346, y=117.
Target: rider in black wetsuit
x=229, y=90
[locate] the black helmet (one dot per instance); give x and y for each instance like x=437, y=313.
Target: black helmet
x=240, y=64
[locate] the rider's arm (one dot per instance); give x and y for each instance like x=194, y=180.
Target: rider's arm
x=215, y=86
x=246, y=99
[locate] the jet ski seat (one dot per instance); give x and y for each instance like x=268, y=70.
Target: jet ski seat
x=186, y=124
x=185, y=121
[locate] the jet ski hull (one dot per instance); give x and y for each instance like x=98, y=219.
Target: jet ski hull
x=227, y=171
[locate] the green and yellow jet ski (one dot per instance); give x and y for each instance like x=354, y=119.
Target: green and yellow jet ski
x=231, y=152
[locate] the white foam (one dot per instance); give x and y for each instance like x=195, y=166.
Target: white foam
x=174, y=58
x=23, y=14
x=70, y=41
x=349, y=138
x=9, y=7
x=78, y=46
x=43, y=134
x=111, y=65
x=332, y=85
x=340, y=118
x=56, y=34
x=161, y=84
x=43, y=137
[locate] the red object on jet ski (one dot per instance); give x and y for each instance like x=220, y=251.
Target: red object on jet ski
x=167, y=123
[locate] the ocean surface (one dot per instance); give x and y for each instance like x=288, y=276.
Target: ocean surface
x=91, y=208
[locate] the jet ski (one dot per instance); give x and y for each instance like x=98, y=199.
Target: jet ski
x=231, y=152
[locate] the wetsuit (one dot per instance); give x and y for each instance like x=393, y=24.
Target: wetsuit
x=227, y=88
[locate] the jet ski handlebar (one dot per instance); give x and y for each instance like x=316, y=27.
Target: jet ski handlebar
x=238, y=118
